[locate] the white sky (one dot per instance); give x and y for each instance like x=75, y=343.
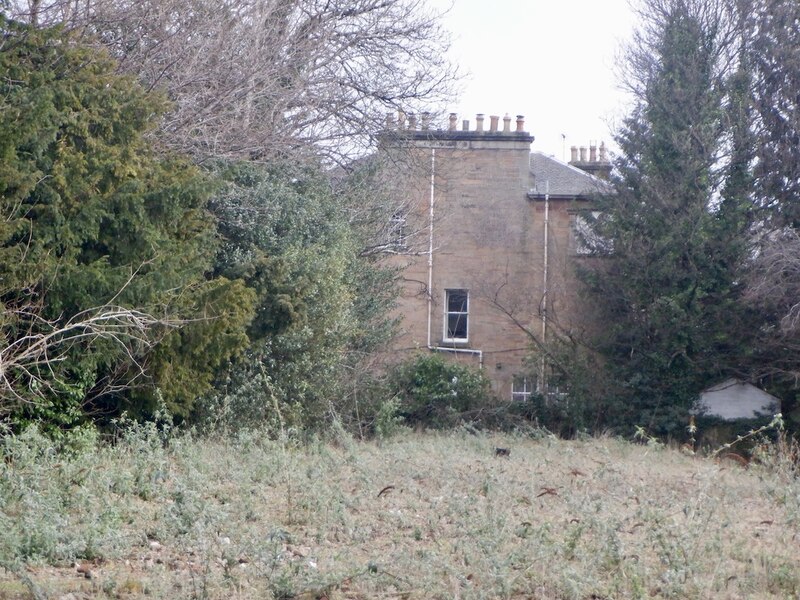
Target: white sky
x=552, y=61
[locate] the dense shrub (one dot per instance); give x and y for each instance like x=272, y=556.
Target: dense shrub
x=320, y=305
x=439, y=393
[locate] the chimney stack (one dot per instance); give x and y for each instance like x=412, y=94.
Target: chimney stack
x=423, y=127
x=593, y=163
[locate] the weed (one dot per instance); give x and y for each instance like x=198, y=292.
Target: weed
x=776, y=424
x=436, y=515
x=388, y=421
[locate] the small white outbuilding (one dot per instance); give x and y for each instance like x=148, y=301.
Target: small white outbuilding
x=735, y=399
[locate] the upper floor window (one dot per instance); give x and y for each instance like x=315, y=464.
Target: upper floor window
x=397, y=230
x=456, y=322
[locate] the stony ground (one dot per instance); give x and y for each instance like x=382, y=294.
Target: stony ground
x=418, y=516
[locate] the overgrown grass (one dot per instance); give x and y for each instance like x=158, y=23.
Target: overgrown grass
x=417, y=516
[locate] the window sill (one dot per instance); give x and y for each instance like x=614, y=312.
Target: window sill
x=454, y=343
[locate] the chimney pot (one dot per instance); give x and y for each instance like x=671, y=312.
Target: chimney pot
x=465, y=125
x=426, y=121
x=453, y=122
x=583, y=154
x=493, y=121
x=592, y=153
x=506, y=124
x=520, y=123
x=389, y=121
x=603, y=154
x=479, y=122
x=573, y=151
x=412, y=121
x=401, y=120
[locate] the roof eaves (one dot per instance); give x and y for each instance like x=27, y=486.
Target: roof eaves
x=540, y=196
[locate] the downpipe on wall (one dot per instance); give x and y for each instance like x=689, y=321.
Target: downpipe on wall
x=430, y=243
x=542, y=374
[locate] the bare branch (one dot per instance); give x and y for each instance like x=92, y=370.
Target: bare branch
x=29, y=360
x=774, y=278
x=261, y=78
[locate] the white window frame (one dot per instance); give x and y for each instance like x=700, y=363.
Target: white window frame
x=396, y=234
x=448, y=312
x=523, y=395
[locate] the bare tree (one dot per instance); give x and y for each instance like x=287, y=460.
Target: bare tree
x=774, y=280
x=260, y=78
x=718, y=18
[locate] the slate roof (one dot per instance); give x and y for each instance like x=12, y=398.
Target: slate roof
x=565, y=180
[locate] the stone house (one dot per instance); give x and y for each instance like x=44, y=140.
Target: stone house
x=490, y=231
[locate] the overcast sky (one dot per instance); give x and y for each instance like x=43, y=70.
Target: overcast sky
x=550, y=60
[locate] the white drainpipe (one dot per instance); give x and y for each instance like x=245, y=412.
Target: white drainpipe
x=542, y=382
x=430, y=244
x=478, y=353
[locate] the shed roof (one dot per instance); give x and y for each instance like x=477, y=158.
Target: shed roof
x=736, y=399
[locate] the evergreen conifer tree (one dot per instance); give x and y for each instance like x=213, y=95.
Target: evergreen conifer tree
x=666, y=290
x=91, y=216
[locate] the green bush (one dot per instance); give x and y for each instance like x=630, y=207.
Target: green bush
x=321, y=306
x=438, y=393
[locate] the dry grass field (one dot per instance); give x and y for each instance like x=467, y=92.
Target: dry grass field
x=417, y=516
